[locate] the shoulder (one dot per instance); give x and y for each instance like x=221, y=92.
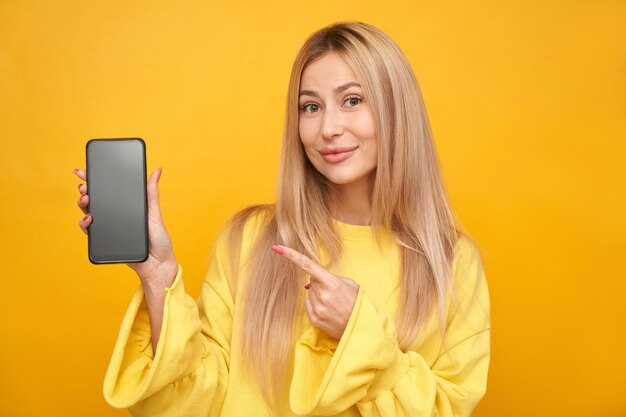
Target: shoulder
x=251, y=220
x=468, y=274
x=467, y=258
x=469, y=311
x=235, y=239
x=465, y=248
x=244, y=227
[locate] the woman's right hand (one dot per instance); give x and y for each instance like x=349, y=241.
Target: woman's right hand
x=161, y=264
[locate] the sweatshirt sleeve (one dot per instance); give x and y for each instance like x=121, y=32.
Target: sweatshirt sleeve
x=188, y=373
x=367, y=368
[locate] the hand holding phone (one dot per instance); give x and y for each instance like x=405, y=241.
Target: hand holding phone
x=161, y=261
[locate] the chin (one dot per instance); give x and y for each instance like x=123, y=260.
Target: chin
x=341, y=179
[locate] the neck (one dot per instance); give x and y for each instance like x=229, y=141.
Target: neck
x=351, y=203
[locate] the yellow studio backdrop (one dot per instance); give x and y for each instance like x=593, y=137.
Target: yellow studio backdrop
x=527, y=101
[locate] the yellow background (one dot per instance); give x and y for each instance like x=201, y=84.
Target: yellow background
x=527, y=101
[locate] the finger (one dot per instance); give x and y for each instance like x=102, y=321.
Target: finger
x=83, y=202
x=82, y=173
x=316, y=303
x=153, y=194
x=85, y=222
x=82, y=188
x=310, y=312
x=318, y=273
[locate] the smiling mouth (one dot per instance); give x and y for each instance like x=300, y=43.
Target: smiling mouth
x=328, y=151
x=339, y=156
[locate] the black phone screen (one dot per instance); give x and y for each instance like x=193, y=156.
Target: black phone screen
x=116, y=185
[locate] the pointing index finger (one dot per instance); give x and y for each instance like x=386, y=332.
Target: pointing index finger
x=316, y=271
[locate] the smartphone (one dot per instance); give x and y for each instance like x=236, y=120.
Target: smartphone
x=118, y=200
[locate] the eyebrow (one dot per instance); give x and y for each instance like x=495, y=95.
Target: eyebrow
x=337, y=90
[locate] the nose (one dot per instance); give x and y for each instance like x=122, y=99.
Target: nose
x=332, y=123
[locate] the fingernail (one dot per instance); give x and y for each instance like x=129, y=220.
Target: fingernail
x=159, y=174
x=86, y=217
x=278, y=249
x=307, y=285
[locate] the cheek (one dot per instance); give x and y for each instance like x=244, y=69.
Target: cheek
x=367, y=133
x=365, y=127
x=307, y=131
x=307, y=137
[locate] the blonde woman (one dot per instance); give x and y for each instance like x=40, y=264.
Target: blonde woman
x=356, y=294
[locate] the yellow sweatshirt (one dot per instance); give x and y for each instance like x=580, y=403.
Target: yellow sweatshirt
x=363, y=374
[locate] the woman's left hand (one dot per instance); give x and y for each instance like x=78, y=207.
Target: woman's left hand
x=331, y=298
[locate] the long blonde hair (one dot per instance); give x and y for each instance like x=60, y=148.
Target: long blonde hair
x=408, y=199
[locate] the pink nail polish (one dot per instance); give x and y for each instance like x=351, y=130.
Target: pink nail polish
x=278, y=249
x=307, y=285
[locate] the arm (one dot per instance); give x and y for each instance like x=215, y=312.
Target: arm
x=187, y=374
x=154, y=292
x=366, y=367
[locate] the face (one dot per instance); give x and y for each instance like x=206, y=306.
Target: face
x=336, y=123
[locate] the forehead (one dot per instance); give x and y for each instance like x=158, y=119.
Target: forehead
x=326, y=72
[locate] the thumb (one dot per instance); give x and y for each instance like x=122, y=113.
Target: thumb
x=154, y=207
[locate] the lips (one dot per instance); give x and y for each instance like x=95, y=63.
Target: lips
x=328, y=151
x=337, y=154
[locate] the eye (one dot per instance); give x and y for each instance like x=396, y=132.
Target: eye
x=312, y=106
x=353, y=101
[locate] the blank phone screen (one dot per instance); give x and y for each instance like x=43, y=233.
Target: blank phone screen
x=116, y=185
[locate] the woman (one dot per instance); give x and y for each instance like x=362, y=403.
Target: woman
x=361, y=235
